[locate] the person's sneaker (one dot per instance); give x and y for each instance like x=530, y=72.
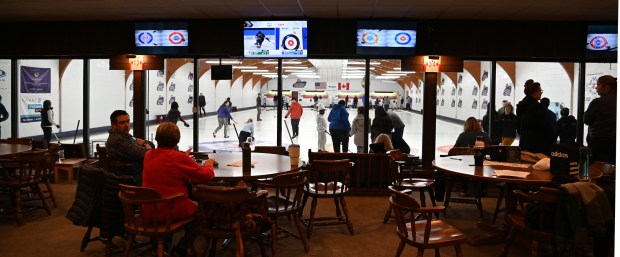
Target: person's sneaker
x=226, y=136
x=259, y=120
x=213, y=134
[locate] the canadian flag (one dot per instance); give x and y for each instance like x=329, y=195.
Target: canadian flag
x=343, y=86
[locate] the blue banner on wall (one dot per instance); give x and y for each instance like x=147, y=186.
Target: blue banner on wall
x=35, y=80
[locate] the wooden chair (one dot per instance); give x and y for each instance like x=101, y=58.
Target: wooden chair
x=287, y=201
x=281, y=150
x=113, y=165
x=51, y=156
x=545, y=198
x=134, y=199
x=404, y=177
x=451, y=179
x=423, y=234
x=328, y=179
x=232, y=213
x=20, y=178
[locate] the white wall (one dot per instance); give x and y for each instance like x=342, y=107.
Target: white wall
x=5, y=92
x=70, y=108
x=107, y=92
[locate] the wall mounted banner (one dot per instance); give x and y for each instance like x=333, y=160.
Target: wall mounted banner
x=35, y=80
x=30, y=109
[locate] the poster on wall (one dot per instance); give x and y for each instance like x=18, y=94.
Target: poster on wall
x=30, y=109
x=35, y=80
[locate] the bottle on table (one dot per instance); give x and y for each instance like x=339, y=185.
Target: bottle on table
x=61, y=154
x=479, y=151
x=585, y=153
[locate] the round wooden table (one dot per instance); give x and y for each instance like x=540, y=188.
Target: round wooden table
x=10, y=149
x=265, y=166
x=463, y=166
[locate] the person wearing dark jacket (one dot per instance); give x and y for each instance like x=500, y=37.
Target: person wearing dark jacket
x=493, y=117
x=202, y=102
x=551, y=116
x=339, y=127
x=47, y=120
x=508, y=125
x=601, y=120
x=567, y=125
x=381, y=124
x=534, y=127
x=174, y=114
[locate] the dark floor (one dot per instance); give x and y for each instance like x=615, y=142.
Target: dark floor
x=54, y=235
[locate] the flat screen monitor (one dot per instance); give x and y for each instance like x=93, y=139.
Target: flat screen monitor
x=221, y=72
x=386, y=38
x=275, y=39
x=161, y=37
x=602, y=42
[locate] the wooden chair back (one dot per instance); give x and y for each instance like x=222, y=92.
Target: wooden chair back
x=460, y=151
x=134, y=199
x=607, y=170
x=24, y=168
x=329, y=177
x=397, y=155
x=102, y=155
x=288, y=192
x=546, y=200
x=281, y=150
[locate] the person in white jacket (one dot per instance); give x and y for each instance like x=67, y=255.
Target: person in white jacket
x=357, y=129
x=321, y=127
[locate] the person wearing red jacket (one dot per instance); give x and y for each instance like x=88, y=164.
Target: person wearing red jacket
x=295, y=112
x=169, y=171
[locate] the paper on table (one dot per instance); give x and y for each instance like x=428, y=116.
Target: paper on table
x=239, y=164
x=507, y=164
x=511, y=173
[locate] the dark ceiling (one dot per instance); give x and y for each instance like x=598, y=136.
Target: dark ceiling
x=108, y=10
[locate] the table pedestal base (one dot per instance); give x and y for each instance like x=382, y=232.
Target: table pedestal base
x=488, y=234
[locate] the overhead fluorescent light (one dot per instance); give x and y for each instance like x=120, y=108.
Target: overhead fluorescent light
x=357, y=68
x=223, y=62
x=274, y=76
x=309, y=76
x=386, y=77
x=396, y=68
x=361, y=63
x=245, y=67
x=352, y=77
x=400, y=72
x=265, y=73
x=294, y=67
x=283, y=62
x=254, y=70
x=303, y=71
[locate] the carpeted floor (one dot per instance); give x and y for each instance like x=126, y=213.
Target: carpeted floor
x=55, y=236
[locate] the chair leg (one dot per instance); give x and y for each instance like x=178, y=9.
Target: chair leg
x=300, y=232
x=47, y=209
x=86, y=238
x=50, y=191
x=448, y=196
x=338, y=212
x=388, y=214
x=19, y=213
x=160, y=246
x=311, y=220
x=132, y=237
x=422, y=198
x=420, y=252
x=431, y=195
x=500, y=197
x=534, y=248
x=478, y=193
x=346, y=214
x=437, y=252
x=400, y=248
x=212, y=247
x=459, y=251
x=511, y=237
x=274, y=235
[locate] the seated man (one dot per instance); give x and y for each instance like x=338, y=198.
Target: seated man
x=124, y=147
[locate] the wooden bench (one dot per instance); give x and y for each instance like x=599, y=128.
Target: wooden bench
x=370, y=175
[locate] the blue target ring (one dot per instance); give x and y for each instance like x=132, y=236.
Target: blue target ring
x=402, y=38
x=145, y=38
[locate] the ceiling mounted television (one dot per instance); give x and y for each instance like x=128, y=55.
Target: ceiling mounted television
x=275, y=39
x=221, y=72
x=161, y=37
x=602, y=42
x=386, y=38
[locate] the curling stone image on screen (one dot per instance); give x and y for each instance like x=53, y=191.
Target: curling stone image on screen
x=275, y=39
